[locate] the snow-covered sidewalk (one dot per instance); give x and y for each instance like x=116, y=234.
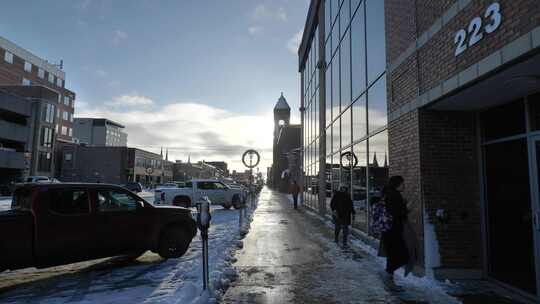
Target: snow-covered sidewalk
x=289, y=256
x=147, y=280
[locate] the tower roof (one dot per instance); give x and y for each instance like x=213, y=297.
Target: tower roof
x=282, y=104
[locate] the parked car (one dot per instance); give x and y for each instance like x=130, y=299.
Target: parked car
x=37, y=179
x=217, y=192
x=133, y=186
x=54, y=224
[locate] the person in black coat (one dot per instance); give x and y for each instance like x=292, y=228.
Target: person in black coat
x=394, y=243
x=342, y=211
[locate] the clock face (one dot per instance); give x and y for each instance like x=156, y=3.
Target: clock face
x=149, y=170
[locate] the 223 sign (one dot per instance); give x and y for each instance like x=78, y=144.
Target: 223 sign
x=467, y=38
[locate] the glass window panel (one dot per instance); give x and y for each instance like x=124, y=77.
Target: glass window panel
x=336, y=172
x=335, y=38
x=354, y=5
x=346, y=128
x=335, y=9
x=335, y=87
x=344, y=17
x=327, y=17
x=328, y=95
x=345, y=55
x=378, y=162
x=377, y=110
x=534, y=109
x=376, y=43
x=359, y=186
x=358, y=53
x=359, y=118
x=328, y=51
x=328, y=177
x=329, y=140
x=513, y=116
x=336, y=136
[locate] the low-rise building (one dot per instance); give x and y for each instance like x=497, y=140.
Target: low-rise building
x=99, y=132
x=202, y=170
x=116, y=165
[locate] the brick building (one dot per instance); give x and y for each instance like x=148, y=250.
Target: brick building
x=20, y=67
x=287, y=138
x=447, y=91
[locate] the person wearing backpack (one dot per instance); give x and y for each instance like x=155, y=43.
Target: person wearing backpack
x=342, y=211
x=395, y=247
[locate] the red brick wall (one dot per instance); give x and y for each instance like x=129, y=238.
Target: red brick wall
x=400, y=26
x=450, y=181
x=437, y=152
x=404, y=149
x=12, y=74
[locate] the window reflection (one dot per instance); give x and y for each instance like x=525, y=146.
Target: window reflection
x=359, y=118
x=358, y=53
x=376, y=44
x=345, y=55
x=377, y=105
x=359, y=186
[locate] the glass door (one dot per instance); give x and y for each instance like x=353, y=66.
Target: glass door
x=534, y=160
x=511, y=237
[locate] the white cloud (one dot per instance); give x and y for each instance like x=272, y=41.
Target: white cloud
x=263, y=14
x=253, y=30
x=101, y=73
x=130, y=101
x=263, y=11
x=119, y=36
x=294, y=43
x=187, y=128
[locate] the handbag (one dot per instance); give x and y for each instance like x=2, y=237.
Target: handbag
x=382, y=219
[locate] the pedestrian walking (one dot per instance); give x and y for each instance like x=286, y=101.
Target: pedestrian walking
x=342, y=212
x=393, y=240
x=294, y=190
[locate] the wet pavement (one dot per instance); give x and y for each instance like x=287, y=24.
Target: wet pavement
x=290, y=257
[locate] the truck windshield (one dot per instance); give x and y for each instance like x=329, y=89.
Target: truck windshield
x=21, y=199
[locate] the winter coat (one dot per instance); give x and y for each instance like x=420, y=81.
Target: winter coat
x=341, y=203
x=393, y=240
x=294, y=189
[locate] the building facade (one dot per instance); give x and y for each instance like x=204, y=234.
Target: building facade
x=99, y=132
x=200, y=170
x=448, y=96
x=27, y=123
x=20, y=67
x=287, y=139
x=115, y=165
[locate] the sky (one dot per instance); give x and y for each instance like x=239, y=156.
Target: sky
x=199, y=77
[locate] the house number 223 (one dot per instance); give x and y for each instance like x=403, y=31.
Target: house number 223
x=475, y=32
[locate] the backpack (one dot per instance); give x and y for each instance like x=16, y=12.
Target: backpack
x=381, y=219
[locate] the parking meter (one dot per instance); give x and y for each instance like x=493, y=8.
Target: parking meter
x=204, y=216
x=203, y=222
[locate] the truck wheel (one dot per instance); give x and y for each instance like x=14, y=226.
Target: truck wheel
x=182, y=201
x=236, y=202
x=173, y=243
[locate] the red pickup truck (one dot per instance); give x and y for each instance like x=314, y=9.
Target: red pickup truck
x=55, y=224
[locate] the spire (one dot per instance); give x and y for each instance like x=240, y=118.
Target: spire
x=167, y=155
x=189, y=159
x=385, y=160
x=375, y=162
x=161, y=153
x=282, y=104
